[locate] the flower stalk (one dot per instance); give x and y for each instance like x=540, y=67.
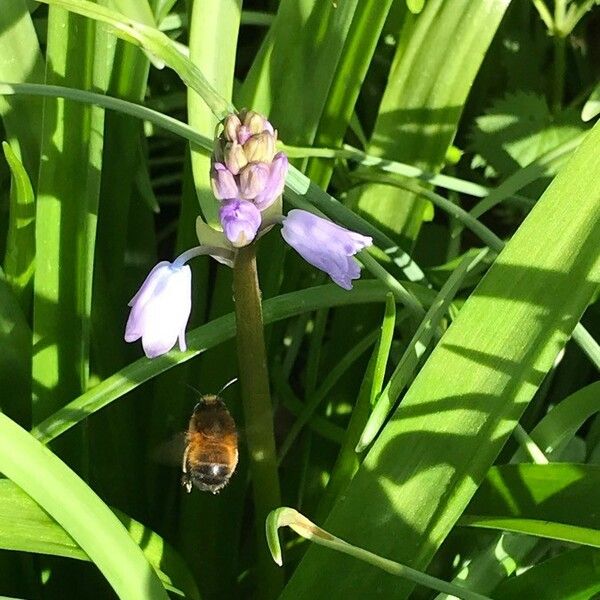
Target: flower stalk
x=258, y=412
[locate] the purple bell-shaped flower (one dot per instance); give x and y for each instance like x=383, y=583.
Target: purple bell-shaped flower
x=161, y=309
x=325, y=245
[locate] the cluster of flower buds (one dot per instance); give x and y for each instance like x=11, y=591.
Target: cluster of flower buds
x=248, y=178
x=247, y=175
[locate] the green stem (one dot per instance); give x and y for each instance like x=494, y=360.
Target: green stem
x=526, y=442
x=544, y=13
x=289, y=517
x=558, y=89
x=256, y=400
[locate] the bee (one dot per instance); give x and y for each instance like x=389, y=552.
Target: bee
x=211, y=452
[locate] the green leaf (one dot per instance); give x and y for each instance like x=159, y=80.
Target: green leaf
x=15, y=357
x=348, y=461
x=544, y=165
x=355, y=59
x=520, y=128
x=20, y=239
x=214, y=27
x=416, y=348
x=284, y=516
x=563, y=420
x=89, y=522
x=418, y=115
x=322, y=392
x=203, y=338
x=572, y=575
x=22, y=117
x=155, y=43
x=66, y=209
x=26, y=527
x=415, y=6
x=383, y=348
x=591, y=108
x=288, y=65
x=538, y=500
x=426, y=464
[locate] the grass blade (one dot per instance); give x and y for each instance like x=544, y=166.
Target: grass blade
x=15, y=357
x=417, y=347
x=65, y=497
x=565, y=419
x=20, y=61
x=418, y=115
x=67, y=205
x=572, y=575
x=20, y=239
x=26, y=527
x=356, y=56
x=211, y=21
x=538, y=500
x=199, y=340
x=426, y=464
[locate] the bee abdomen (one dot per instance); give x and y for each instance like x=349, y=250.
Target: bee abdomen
x=210, y=477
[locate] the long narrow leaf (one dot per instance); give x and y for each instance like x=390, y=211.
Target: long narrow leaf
x=65, y=497
x=419, y=113
x=26, y=527
x=471, y=392
x=200, y=340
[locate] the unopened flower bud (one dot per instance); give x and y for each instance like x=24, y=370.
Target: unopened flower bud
x=240, y=221
x=254, y=122
x=231, y=126
x=243, y=134
x=248, y=167
x=260, y=147
x=235, y=157
x=223, y=183
x=253, y=179
x=275, y=182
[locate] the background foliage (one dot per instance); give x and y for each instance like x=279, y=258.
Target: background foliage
x=443, y=414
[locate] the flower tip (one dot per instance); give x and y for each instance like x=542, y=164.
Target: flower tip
x=240, y=220
x=182, y=343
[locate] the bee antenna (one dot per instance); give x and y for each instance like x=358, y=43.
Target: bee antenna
x=229, y=383
x=193, y=388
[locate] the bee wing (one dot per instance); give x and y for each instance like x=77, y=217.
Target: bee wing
x=170, y=452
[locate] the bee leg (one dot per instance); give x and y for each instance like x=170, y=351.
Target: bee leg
x=185, y=457
x=186, y=482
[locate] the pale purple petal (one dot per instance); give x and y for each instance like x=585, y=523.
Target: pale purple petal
x=325, y=245
x=253, y=179
x=147, y=288
x=240, y=220
x=243, y=134
x=161, y=309
x=223, y=183
x=275, y=182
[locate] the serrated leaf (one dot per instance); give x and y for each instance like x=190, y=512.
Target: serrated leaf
x=519, y=128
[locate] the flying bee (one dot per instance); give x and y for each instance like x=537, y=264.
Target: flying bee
x=211, y=452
